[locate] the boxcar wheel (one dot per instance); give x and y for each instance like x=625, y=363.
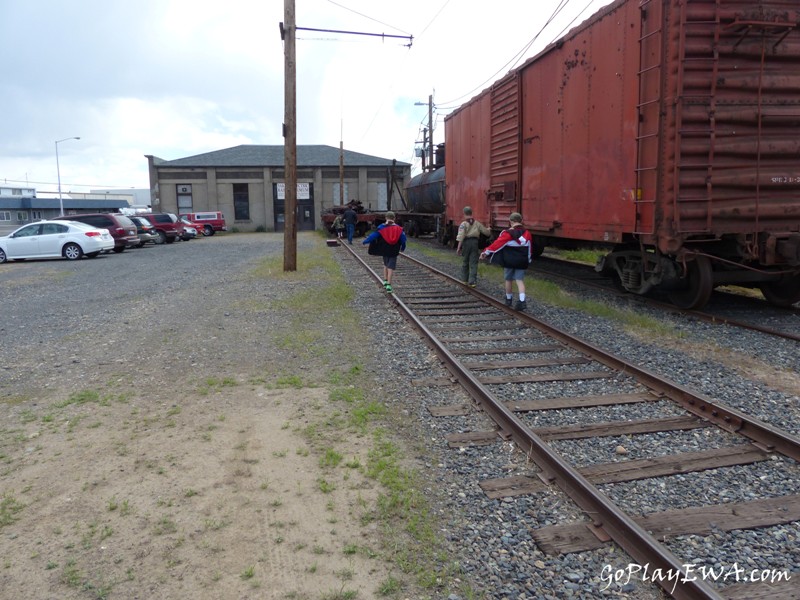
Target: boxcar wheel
x=783, y=292
x=699, y=285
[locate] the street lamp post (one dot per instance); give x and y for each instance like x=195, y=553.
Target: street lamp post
x=58, y=170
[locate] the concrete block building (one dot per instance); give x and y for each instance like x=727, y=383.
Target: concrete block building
x=246, y=183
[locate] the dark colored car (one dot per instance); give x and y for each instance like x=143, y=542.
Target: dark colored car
x=147, y=233
x=121, y=228
x=167, y=225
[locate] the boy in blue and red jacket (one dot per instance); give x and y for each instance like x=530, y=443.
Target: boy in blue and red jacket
x=388, y=241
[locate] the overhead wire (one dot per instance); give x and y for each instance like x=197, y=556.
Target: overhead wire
x=516, y=58
x=367, y=17
x=405, y=58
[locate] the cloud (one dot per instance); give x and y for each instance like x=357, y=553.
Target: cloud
x=180, y=77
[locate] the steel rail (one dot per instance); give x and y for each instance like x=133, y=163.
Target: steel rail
x=630, y=536
x=728, y=418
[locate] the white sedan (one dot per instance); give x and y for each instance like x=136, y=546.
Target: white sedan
x=55, y=239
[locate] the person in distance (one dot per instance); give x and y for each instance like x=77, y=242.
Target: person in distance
x=350, y=220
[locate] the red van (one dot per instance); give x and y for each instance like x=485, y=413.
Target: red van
x=210, y=220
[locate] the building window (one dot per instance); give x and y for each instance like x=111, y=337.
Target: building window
x=241, y=202
x=16, y=192
x=22, y=216
x=184, y=193
x=36, y=215
x=337, y=195
x=5, y=215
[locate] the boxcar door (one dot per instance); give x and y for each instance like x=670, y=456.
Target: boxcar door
x=504, y=151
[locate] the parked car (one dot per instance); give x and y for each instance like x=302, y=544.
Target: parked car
x=55, y=239
x=119, y=226
x=198, y=227
x=189, y=233
x=211, y=221
x=145, y=230
x=167, y=226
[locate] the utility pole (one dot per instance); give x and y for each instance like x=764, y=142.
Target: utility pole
x=430, y=131
x=427, y=136
x=341, y=165
x=424, y=147
x=288, y=32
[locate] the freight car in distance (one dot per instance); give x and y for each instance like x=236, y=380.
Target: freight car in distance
x=665, y=131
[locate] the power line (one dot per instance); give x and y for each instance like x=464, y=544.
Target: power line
x=367, y=17
x=515, y=59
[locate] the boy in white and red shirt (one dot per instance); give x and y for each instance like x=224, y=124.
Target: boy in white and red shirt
x=513, y=251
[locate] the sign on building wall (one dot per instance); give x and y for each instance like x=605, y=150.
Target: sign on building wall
x=303, y=191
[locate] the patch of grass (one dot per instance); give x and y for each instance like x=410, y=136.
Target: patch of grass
x=389, y=587
x=341, y=594
x=27, y=416
x=79, y=398
x=248, y=573
x=586, y=256
x=364, y=412
x=330, y=458
x=164, y=526
x=325, y=486
x=349, y=394
x=290, y=381
x=212, y=384
x=10, y=507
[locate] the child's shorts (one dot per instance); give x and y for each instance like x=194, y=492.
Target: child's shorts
x=513, y=274
x=390, y=262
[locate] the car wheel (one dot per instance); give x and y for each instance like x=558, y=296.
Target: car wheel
x=162, y=237
x=208, y=230
x=3, y=257
x=170, y=240
x=140, y=245
x=72, y=252
x=119, y=249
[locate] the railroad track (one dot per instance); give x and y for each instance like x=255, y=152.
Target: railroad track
x=509, y=370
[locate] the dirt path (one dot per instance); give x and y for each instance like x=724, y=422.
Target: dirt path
x=213, y=468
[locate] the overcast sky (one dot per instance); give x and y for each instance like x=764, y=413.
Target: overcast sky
x=175, y=78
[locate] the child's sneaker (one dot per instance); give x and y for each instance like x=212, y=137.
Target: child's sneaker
x=388, y=287
x=509, y=302
x=520, y=305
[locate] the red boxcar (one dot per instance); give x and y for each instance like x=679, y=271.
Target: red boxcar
x=666, y=130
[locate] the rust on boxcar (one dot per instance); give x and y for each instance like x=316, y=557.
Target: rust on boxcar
x=663, y=129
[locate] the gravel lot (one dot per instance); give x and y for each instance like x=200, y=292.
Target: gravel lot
x=159, y=330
